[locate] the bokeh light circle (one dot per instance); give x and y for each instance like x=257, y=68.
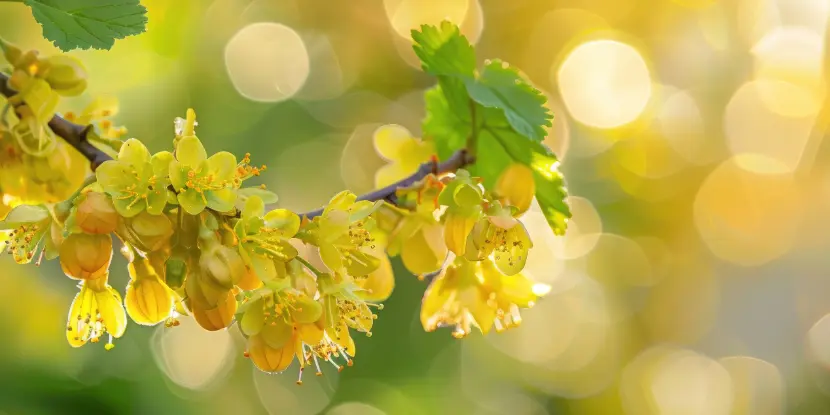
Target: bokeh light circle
x=747, y=218
x=757, y=386
x=267, y=62
x=604, y=83
x=191, y=356
x=753, y=128
x=671, y=381
x=354, y=408
x=405, y=15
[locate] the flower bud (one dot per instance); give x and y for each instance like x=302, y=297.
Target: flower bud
x=222, y=265
x=148, y=300
x=218, y=317
x=175, y=268
x=147, y=232
x=95, y=214
x=516, y=187
x=67, y=75
x=85, y=257
x=201, y=291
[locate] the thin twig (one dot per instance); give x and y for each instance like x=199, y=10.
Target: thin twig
x=74, y=134
x=459, y=159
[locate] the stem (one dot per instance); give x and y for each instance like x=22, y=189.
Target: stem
x=66, y=205
x=308, y=266
x=459, y=159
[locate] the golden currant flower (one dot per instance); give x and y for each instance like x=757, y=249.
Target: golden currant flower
x=94, y=213
x=148, y=300
x=218, y=317
x=86, y=256
x=135, y=180
x=463, y=198
x=344, y=234
x=95, y=311
x=475, y=294
x=264, y=240
x=516, y=187
x=500, y=237
x=31, y=227
x=403, y=152
x=100, y=111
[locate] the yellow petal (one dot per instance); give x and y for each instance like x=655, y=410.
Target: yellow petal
x=390, y=139
x=456, y=229
x=216, y=318
x=112, y=312
x=392, y=173
x=268, y=359
x=81, y=305
x=276, y=334
x=378, y=285
x=422, y=253
x=148, y=301
x=516, y=187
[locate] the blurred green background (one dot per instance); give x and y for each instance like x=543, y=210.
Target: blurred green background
x=694, y=276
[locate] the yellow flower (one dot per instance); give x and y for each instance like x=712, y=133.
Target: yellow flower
x=95, y=311
x=516, y=187
x=95, y=213
x=345, y=234
x=501, y=238
x=218, y=317
x=286, y=323
x=85, y=256
x=149, y=301
x=475, y=294
x=404, y=152
x=99, y=111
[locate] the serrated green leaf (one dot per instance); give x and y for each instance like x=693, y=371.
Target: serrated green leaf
x=446, y=128
x=84, y=24
x=444, y=51
x=505, y=145
x=501, y=86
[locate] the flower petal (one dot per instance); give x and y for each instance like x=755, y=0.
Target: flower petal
x=190, y=152
x=134, y=153
x=390, y=139
x=192, y=201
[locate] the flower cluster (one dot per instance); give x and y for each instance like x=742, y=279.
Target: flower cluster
x=37, y=166
x=199, y=244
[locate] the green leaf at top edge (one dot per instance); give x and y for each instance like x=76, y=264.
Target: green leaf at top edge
x=84, y=24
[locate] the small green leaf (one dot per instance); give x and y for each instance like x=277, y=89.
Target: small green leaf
x=444, y=51
x=84, y=24
x=501, y=86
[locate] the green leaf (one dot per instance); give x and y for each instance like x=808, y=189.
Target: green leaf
x=444, y=51
x=84, y=24
x=446, y=128
x=505, y=145
x=501, y=86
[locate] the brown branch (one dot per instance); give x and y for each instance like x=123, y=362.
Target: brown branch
x=459, y=159
x=74, y=134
